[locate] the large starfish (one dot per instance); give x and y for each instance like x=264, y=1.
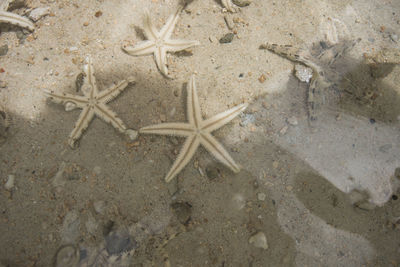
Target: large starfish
x=197, y=131
x=159, y=42
x=8, y=17
x=92, y=103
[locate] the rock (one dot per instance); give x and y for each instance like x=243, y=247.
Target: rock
x=227, y=38
x=397, y=173
x=241, y=3
x=303, y=73
x=118, y=242
x=261, y=196
x=91, y=225
x=394, y=37
x=10, y=182
x=67, y=256
x=99, y=206
x=259, y=240
x=38, y=13
x=212, y=172
x=183, y=211
x=70, y=228
x=293, y=121
x=3, y=50
x=3, y=84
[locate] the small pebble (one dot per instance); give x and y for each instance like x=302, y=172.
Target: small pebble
x=99, y=206
x=212, y=173
x=227, y=38
x=394, y=37
x=283, y=130
x=38, y=13
x=303, y=73
x=10, y=182
x=97, y=170
x=3, y=84
x=98, y=14
x=259, y=240
x=289, y=188
x=86, y=23
x=261, y=196
x=132, y=134
x=293, y=121
x=262, y=78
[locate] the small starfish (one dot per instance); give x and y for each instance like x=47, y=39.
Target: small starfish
x=159, y=42
x=92, y=103
x=8, y=17
x=197, y=131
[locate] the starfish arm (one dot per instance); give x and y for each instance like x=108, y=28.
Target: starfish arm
x=169, y=26
x=178, y=45
x=222, y=118
x=106, y=96
x=64, y=98
x=8, y=17
x=189, y=148
x=84, y=119
x=193, y=106
x=160, y=57
x=218, y=151
x=179, y=129
x=149, y=30
x=106, y=114
x=90, y=89
x=146, y=47
x=228, y=5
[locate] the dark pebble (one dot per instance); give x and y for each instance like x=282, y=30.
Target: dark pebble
x=397, y=173
x=227, y=38
x=212, y=173
x=183, y=211
x=3, y=50
x=118, y=242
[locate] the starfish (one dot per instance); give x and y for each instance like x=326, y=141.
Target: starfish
x=197, y=131
x=92, y=103
x=8, y=17
x=159, y=42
